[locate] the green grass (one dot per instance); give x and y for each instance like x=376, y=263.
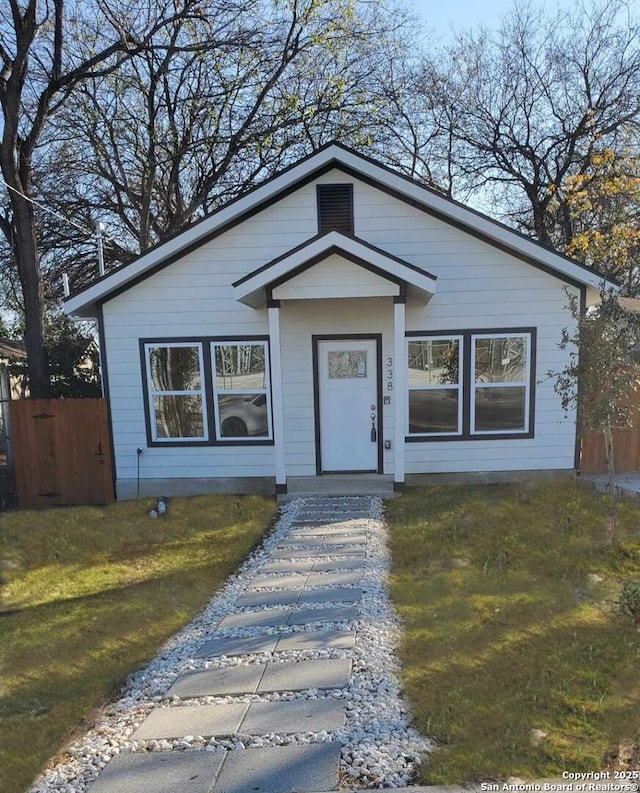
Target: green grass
x=514, y=657
x=89, y=595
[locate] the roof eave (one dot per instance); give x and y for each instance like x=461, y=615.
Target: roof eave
x=82, y=303
x=251, y=290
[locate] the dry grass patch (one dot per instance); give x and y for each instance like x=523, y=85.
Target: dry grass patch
x=88, y=596
x=515, y=658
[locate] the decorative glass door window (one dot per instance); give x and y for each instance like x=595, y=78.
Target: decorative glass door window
x=500, y=394
x=176, y=391
x=435, y=398
x=241, y=390
x=347, y=364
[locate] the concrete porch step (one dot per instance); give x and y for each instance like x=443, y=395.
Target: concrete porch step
x=338, y=485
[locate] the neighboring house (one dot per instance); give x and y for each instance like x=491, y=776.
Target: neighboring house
x=10, y=352
x=338, y=318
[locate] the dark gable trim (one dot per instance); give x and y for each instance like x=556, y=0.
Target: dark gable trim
x=443, y=196
x=205, y=341
x=315, y=174
x=320, y=171
x=377, y=337
x=333, y=249
x=474, y=232
x=467, y=385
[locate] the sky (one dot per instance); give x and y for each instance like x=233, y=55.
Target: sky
x=444, y=16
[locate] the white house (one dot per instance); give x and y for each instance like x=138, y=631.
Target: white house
x=338, y=318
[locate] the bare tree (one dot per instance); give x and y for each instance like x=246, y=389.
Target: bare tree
x=219, y=106
x=520, y=111
x=46, y=50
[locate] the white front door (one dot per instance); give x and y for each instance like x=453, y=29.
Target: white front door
x=348, y=396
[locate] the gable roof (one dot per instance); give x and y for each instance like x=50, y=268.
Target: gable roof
x=84, y=302
x=256, y=286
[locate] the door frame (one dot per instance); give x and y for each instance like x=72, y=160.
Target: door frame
x=315, y=338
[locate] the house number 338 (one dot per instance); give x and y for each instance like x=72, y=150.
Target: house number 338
x=389, y=367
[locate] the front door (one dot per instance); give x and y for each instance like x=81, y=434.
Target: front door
x=348, y=405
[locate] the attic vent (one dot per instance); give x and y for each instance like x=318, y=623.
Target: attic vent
x=335, y=208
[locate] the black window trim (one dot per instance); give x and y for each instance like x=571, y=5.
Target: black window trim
x=209, y=393
x=468, y=382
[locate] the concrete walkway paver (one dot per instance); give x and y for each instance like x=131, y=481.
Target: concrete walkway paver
x=197, y=720
x=333, y=614
x=263, y=678
x=244, y=645
x=160, y=772
x=300, y=715
x=303, y=640
x=280, y=769
x=317, y=640
x=275, y=597
x=328, y=543
x=301, y=675
x=332, y=595
x=306, y=580
x=340, y=552
x=257, y=718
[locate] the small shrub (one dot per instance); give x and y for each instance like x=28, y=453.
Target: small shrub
x=629, y=603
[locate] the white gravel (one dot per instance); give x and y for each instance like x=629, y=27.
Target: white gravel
x=379, y=748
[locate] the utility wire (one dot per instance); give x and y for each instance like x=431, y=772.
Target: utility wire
x=46, y=209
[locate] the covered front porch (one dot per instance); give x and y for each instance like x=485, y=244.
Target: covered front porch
x=354, y=382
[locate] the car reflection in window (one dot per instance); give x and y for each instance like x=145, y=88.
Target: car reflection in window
x=243, y=416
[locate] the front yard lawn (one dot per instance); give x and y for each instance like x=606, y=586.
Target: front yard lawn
x=515, y=658
x=88, y=596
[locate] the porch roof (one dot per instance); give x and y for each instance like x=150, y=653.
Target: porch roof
x=382, y=274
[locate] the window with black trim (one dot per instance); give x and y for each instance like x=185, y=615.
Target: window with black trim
x=241, y=393
x=335, y=208
x=501, y=382
x=175, y=380
x=470, y=384
x=207, y=391
x=435, y=390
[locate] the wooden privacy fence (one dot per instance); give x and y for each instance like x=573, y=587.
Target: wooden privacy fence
x=626, y=445
x=626, y=451
x=62, y=452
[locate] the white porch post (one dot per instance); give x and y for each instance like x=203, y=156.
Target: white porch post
x=400, y=397
x=276, y=395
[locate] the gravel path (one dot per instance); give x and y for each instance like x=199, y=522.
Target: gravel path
x=321, y=548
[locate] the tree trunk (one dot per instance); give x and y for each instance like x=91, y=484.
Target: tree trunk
x=25, y=249
x=612, y=511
